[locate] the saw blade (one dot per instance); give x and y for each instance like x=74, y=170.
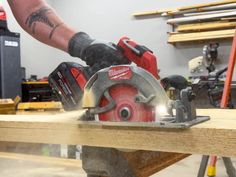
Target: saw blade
x=126, y=109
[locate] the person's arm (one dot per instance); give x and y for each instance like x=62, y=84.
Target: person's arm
x=41, y=21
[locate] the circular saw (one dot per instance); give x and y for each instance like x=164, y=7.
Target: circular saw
x=124, y=93
x=131, y=94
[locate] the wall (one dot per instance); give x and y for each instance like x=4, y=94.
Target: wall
x=106, y=19
x=36, y=57
x=109, y=20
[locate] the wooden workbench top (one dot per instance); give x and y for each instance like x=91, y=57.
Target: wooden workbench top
x=217, y=136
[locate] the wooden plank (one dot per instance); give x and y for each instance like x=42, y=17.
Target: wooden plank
x=6, y=103
x=39, y=105
x=206, y=26
x=207, y=5
x=186, y=37
x=170, y=12
x=200, y=17
x=228, y=18
x=217, y=136
x=204, y=9
x=34, y=82
x=151, y=12
x=207, y=13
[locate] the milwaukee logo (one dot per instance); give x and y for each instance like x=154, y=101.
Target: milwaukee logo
x=120, y=73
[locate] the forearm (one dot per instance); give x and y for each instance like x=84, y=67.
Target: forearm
x=41, y=21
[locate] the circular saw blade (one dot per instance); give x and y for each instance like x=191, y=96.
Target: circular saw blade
x=126, y=108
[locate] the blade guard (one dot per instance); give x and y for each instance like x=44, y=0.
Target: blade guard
x=137, y=77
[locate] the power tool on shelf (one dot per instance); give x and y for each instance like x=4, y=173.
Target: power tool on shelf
x=125, y=92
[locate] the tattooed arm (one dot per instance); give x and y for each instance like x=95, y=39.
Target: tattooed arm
x=41, y=21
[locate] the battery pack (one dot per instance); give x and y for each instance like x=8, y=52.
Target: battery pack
x=68, y=81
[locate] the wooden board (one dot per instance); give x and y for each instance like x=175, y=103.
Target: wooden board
x=203, y=9
x=39, y=108
x=200, y=17
x=39, y=105
x=7, y=106
x=151, y=12
x=206, y=26
x=186, y=37
x=178, y=11
x=206, y=5
x=207, y=13
x=217, y=136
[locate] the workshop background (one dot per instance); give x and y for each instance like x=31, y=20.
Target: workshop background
x=110, y=20
x=105, y=20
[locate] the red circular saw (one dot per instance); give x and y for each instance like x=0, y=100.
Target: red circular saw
x=124, y=93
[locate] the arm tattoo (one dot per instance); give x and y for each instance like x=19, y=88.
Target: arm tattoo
x=41, y=17
x=53, y=30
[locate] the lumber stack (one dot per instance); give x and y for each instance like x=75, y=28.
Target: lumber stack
x=209, y=21
x=7, y=106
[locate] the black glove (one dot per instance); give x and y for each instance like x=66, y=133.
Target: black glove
x=96, y=54
x=176, y=81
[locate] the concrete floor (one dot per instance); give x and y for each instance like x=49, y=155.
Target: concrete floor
x=189, y=168
x=12, y=168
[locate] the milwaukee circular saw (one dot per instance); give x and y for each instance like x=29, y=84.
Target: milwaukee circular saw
x=131, y=93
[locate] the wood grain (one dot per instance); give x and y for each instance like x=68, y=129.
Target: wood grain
x=196, y=36
x=206, y=5
x=217, y=136
x=39, y=105
x=181, y=10
x=206, y=26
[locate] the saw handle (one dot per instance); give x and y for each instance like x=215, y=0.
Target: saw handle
x=140, y=55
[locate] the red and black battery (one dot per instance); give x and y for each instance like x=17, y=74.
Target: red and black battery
x=68, y=81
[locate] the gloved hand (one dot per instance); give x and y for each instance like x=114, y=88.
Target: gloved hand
x=96, y=54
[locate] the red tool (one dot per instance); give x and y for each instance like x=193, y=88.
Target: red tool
x=124, y=92
x=229, y=75
x=140, y=55
x=68, y=79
